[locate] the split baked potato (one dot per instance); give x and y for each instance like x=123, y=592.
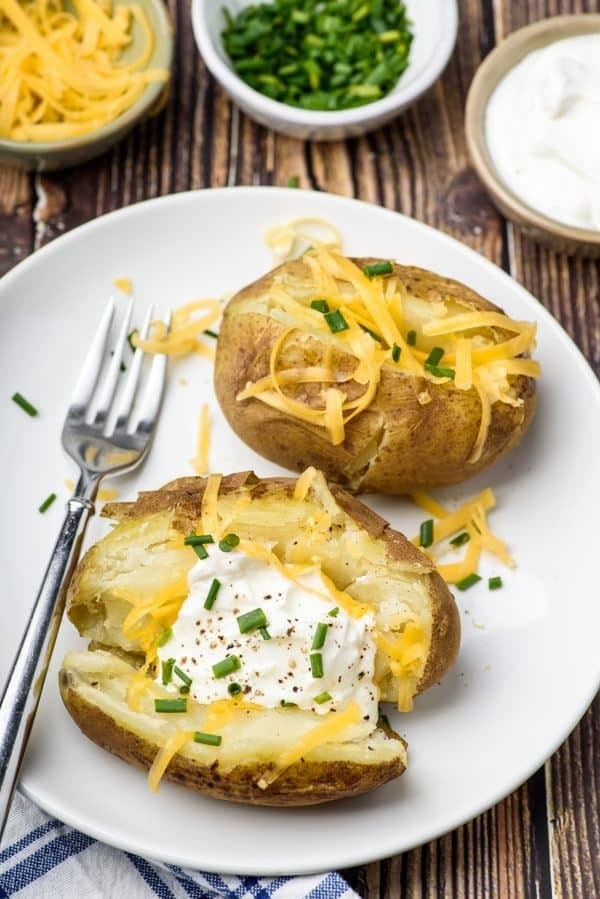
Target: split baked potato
x=388, y=378
x=132, y=596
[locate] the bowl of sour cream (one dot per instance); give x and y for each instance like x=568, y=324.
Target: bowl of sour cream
x=533, y=130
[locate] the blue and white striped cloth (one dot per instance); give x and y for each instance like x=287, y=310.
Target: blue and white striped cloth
x=41, y=858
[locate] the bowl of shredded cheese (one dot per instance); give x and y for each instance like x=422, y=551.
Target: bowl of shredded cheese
x=77, y=75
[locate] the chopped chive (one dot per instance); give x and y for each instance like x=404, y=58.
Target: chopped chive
x=197, y=539
x=460, y=539
x=435, y=356
x=494, y=583
x=185, y=689
x=334, y=612
x=316, y=664
x=468, y=581
x=182, y=675
x=199, y=550
x=320, y=635
x=320, y=306
x=228, y=542
x=170, y=705
x=264, y=633
x=234, y=689
x=130, y=338
x=25, y=405
x=288, y=705
x=164, y=636
x=411, y=338
x=47, y=502
x=396, y=350
x=226, y=666
x=251, y=621
x=373, y=334
x=294, y=181
x=167, y=670
x=378, y=268
x=438, y=372
x=426, y=533
x=210, y=333
x=323, y=697
x=336, y=321
x=207, y=739
x=212, y=594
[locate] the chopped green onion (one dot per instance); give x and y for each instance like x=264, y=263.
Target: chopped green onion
x=251, y=621
x=336, y=321
x=130, y=337
x=468, y=581
x=334, y=612
x=197, y=539
x=373, y=334
x=167, y=670
x=199, y=550
x=323, y=697
x=170, y=705
x=182, y=676
x=435, y=356
x=25, y=405
x=294, y=181
x=234, y=689
x=184, y=689
x=264, y=633
x=494, y=583
x=320, y=306
x=460, y=539
x=440, y=372
x=212, y=594
x=210, y=333
x=228, y=542
x=164, y=636
x=316, y=664
x=226, y=666
x=378, y=268
x=396, y=350
x=288, y=705
x=426, y=533
x=411, y=338
x=207, y=739
x=47, y=502
x=320, y=635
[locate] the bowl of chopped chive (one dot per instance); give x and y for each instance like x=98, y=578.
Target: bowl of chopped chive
x=325, y=69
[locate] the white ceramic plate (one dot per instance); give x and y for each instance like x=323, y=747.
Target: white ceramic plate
x=529, y=663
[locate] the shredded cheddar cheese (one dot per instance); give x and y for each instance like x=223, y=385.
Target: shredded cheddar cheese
x=200, y=461
x=61, y=69
x=165, y=755
x=124, y=285
x=184, y=335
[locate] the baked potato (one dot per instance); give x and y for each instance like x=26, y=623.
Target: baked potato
x=386, y=377
x=311, y=572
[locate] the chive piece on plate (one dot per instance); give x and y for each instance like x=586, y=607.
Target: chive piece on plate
x=226, y=666
x=25, y=405
x=494, y=583
x=316, y=664
x=251, y=621
x=170, y=705
x=426, y=533
x=207, y=739
x=294, y=181
x=212, y=594
x=468, y=581
x=384, y=267
x=47, y=502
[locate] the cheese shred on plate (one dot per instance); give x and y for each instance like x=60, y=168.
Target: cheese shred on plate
x=62, y=69
x=369, y=315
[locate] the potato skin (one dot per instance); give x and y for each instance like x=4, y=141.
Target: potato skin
x=403, y=445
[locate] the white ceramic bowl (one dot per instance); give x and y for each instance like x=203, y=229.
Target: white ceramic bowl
x=435, y=24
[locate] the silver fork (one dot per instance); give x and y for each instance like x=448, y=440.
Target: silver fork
x=107, y=443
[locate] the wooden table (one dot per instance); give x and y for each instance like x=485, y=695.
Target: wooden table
x=544, y=839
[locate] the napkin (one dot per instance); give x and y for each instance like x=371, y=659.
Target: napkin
x=41, y=858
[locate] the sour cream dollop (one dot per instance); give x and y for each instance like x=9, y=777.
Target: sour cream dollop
x=276, y=670
x=542, y=130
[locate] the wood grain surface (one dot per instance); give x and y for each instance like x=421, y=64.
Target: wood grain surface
x=543, y=840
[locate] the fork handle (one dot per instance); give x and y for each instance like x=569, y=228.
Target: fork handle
x=25, y=682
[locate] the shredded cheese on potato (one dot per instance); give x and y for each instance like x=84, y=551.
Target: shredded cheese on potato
x=376, y=328
x=61, y=72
